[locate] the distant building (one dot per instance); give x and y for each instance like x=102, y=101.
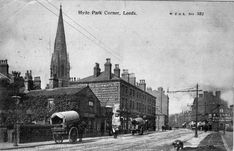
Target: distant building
x=31, y=84
x=13, y=85
x=182, y=119
x=212, y=109
x=111, y=89
x=162, y=107
x=10, y=84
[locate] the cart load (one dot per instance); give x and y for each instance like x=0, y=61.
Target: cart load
x=65, y=123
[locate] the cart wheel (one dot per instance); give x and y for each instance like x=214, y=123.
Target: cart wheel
x=58, y=138
x=73, y=134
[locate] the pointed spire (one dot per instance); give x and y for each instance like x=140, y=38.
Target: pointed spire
x=59, y=61
x=60, y=40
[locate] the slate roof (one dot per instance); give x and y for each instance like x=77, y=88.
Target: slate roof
x=56, y=91
x=101, y=77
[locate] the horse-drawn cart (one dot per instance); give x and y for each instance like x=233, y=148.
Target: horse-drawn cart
x=65, y=123
x=138, y=126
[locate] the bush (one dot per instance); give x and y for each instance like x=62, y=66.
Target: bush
x=35, y=133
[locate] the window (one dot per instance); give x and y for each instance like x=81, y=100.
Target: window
x=91, y=103
x=221, y=110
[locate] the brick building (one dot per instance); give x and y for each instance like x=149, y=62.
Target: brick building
x=182, y=119
x=213, y=109
x=111, y=89
x=162, y=107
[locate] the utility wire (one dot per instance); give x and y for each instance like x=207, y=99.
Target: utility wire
x=76, y=23
x=79, y=31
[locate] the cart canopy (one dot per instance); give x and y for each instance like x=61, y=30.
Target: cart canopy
x=138, y=120
x=63, y=117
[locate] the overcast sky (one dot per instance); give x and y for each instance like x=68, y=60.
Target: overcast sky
x=171, y=51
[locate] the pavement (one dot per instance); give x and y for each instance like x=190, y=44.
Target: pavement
x=215, y=141
x=10, y=146
x=228, y=140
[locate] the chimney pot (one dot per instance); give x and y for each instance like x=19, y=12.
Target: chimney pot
x=108, y=60
x=117, y=66
x=96, y=70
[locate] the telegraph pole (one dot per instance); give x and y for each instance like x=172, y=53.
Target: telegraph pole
x=196, y=110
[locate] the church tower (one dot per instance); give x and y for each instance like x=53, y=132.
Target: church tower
x=60, y=66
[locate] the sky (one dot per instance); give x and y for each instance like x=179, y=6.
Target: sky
x=172, y=51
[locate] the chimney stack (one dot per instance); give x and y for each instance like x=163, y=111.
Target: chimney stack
x=117, y=70
x=142, y=85
x=132, y=79
x=217, y=94
x=96, y=70
x=108, y=68
x=28, y=82
x=37, y=83
x=125, y=75
x=4, y=67
x=160, y=89
x=149, y=90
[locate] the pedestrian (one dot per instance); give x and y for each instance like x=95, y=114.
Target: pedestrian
x=81, y=129
x=115, y=131
x=224, y=128
x=102, y=128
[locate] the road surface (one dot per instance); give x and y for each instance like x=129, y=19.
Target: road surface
x=151, y=141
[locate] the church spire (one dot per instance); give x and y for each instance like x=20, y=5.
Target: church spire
x=60, y=40
x=60, y=67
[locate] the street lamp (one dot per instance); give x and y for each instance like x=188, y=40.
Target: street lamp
x=16, y=127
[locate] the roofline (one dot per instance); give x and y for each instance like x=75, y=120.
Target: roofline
x=56, y=89
x=114, y=80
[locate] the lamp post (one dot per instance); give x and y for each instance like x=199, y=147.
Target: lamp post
x=16, y=127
